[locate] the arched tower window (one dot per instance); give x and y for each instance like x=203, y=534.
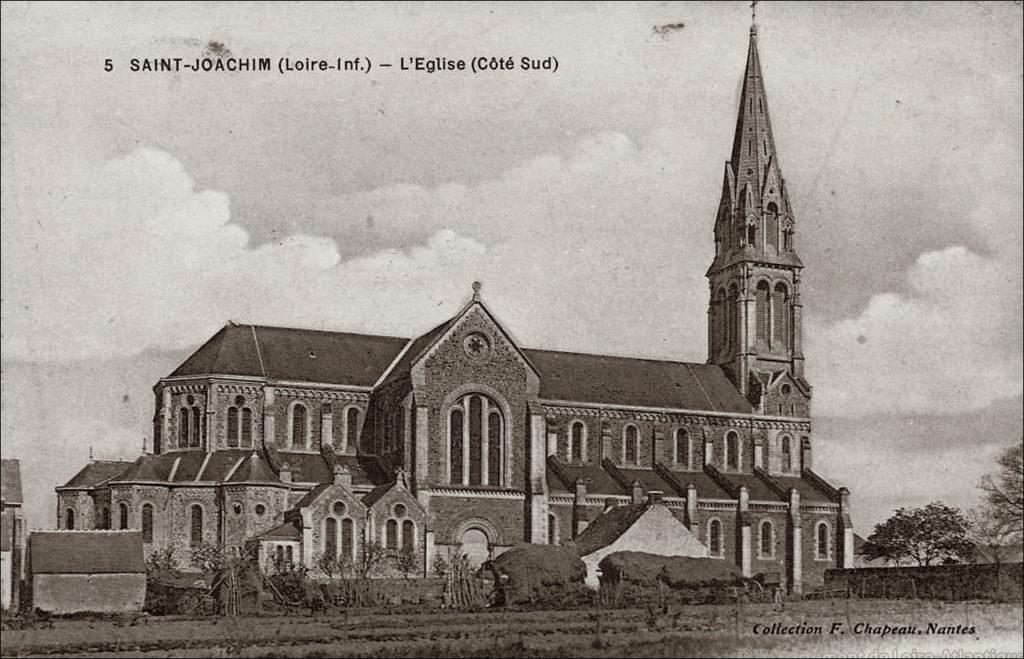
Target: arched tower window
x=246, y=427
x=682, y=447
x=631, y=440
x=232, y=426
x=147, y=522
x=761, y=297
x=576, y=441
x=122, y=516
x=715, y=538
x=476, y=441
x=734, y=297
x=787, y=454
x=552, y=530
x=822, y=544
x=300, y=425
x=331, y=538
x=767, y=539
x=196, y=526
x=752, y=235
x=183, y=427
x=721, y=318
x=732, y=450
x=69, y=519
x=105, y=519
x=197, y=426
x=771, y=225
x=780, y=307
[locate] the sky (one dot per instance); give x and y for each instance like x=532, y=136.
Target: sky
x=142, y=211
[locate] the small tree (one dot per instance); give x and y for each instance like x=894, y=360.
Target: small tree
x=371, y=558
x=930, y=535
x=161, y=561
x=990, y=532
x=406, y=561
x=440, y=565
x=327, y=564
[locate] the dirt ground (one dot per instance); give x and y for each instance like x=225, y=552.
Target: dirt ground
x=725, y=630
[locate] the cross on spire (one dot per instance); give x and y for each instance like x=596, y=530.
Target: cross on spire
x=753, y=17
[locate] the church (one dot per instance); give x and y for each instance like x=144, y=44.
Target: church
x=308, y=443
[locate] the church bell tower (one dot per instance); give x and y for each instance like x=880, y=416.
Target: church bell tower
x=754, y=312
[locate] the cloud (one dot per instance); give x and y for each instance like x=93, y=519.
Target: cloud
x=940, y=348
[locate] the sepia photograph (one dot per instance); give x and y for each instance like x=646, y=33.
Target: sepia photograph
x=512, y=329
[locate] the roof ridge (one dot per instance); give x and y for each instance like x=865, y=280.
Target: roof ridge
x=693, y=375
x=321, y=331
x=259, y=353
x=635, y=359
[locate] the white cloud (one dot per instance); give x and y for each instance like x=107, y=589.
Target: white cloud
x=940, y=348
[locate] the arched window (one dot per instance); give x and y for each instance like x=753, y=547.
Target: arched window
x=576, y=441
x=347, y=546
x=476, y=546
x=408, y=536
x=787, y=454
x=752, y=235
x=761, y=297
x=771, y=225
x=351, y=426
x=196, y=530
x=69, y=519
x=456, y=423
x=476, y=441
x=631, y=438
x=183, y=427
x=299, y=425
x=289, y=556
x=721, y=318
x=780, y=311
x=331, y=538
x=105, y=518
x=391, y=535
x=279, y=553
x=714, y=538
x=232, y=426
x=246, y=427
x=197, y=426
x=552, y=530
x=767, y=539
x=122, y=516
x=147, y=522
x=787, y=239
x=822, y=544
x=682, y=447
x=732, y=450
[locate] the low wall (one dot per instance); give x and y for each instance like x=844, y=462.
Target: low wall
x=945, y=582
x=88, y=593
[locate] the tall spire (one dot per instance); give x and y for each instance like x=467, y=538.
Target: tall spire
x=753, y=146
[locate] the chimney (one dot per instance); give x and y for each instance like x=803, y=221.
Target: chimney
x=654, y=497
x=744, y=499
x=286, y=473
x=638, y=493
x=342, y=476
x=844, y=501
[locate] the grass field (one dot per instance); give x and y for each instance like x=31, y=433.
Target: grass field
x=724, y=630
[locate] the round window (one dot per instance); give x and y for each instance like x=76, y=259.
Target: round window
x=476, y=345
x=260, y=509
x=399, y=510
x=339, y=508
x=785, y=389
x=239, y=400
x=237, y=507
x=190, y=399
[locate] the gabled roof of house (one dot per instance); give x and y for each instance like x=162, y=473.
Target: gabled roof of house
x=97, y=473
x=10, y=482
x=284, y=353
x=587, y=378
x=607, y=528
x=86, y=552
x=312, y=495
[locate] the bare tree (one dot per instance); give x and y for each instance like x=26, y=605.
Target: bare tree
x=1004, y=491
x=990, y=534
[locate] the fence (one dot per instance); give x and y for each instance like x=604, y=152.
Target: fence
x=941, y=582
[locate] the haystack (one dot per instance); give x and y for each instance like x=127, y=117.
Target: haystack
x=533, y=573
x=675, y=572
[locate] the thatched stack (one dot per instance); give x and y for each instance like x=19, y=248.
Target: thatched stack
x=534, y=573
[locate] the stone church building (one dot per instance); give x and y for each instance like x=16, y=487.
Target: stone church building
x=308, y=442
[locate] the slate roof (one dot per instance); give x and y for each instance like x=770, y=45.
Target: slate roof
x=253, y=470
x=310, y=497
x=97, y=473
x=573, y=376
x=10, y=482
x=360, y=360
x=807, y=489
x=563, y=476
x=607, y=528
x=284, y=353
x=86, y=552
x=286, y=531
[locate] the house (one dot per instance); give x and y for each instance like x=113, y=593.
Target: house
x=644, y=527
x=87, y=571
x=12, y=534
